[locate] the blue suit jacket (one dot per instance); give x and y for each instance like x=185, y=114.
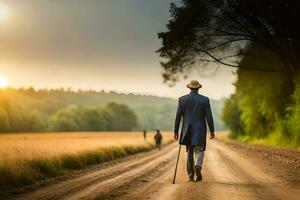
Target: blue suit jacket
x=195, y=111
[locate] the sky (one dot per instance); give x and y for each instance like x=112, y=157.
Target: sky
x=92, y=44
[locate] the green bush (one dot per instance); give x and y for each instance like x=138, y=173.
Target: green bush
x=232, y=117
x=292, y=121
x=265, y=108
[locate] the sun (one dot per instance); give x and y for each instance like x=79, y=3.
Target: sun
x=4, y=10
x=3, y=81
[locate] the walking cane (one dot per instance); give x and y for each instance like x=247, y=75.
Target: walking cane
x=176, y=164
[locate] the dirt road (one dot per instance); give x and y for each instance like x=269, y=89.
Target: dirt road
x=227, y=175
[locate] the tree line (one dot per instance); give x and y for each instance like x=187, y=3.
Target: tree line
x=37, y=110
x=18, y=114
x=259, y=109
x=113, y=117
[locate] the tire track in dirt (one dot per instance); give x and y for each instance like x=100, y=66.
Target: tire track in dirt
x=235, y=177
x=65, y=188
x=104, y=187
x=227, y=175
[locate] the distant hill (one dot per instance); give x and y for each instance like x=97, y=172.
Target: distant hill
x=153, y=112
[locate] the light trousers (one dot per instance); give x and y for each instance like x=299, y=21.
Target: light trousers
x=195, y=155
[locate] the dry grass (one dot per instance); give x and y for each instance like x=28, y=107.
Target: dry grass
x=222, y=135
x=27, y=158
x=15, y=147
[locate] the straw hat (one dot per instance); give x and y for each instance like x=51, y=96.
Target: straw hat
x=194, y=85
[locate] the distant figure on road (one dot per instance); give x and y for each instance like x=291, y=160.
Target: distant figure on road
x=145, y=134
x=158, y=139
x=195, y=111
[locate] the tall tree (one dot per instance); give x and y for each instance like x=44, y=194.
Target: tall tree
x=202, y=32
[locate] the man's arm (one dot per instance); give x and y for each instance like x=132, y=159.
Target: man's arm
x=177, y=120
x=210, y=120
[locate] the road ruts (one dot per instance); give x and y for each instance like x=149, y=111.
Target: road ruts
x=226, y=175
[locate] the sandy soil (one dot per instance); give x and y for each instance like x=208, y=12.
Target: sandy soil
x=281, y=162
x=227, y=173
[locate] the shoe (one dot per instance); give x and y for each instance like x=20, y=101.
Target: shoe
x=191, y=179
x=198, y=173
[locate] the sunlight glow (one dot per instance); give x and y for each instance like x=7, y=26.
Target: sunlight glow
x=3, y=81
x=4, y=10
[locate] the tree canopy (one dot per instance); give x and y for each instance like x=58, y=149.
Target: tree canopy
x=202, y=32
x=261, y=39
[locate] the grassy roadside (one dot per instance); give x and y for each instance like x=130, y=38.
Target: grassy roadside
x=26, y=172
x=273, y=140
x=278, y=161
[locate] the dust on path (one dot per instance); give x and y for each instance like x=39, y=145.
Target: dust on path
x=227, y=175
x=281, y=162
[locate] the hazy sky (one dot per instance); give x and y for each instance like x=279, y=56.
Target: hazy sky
x=91, y=44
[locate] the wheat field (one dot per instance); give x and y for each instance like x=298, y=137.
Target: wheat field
x=14, y=147
x=27, y=158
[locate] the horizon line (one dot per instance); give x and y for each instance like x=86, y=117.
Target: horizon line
x=72, y=90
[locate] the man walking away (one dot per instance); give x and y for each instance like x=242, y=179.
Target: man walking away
x=195, y=111
x=158, y=139
x=145, y=134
